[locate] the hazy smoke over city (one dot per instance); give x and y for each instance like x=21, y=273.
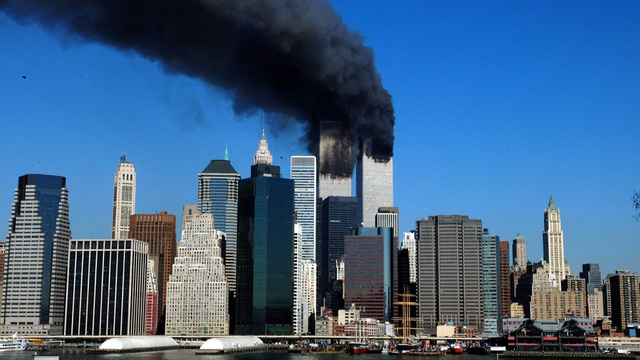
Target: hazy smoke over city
x=295, y=58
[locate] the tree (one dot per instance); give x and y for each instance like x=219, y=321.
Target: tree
x=636, y=203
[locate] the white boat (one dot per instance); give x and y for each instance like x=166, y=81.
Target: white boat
x=13, y=344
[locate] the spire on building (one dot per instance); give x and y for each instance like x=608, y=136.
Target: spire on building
x=552, y=205
x=226, y=152
x=263, y=155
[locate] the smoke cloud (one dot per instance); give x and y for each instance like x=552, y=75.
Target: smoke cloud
x=295, y=58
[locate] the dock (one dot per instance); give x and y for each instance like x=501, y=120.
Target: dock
x=564, y=354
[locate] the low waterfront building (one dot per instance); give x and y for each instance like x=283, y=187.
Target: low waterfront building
x=139, y=343
x=574, y=334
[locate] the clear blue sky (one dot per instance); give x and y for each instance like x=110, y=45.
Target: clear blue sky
x=498, y=105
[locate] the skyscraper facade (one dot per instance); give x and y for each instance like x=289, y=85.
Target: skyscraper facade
x=504, y=281
x=333, y=154
x=159, y=231
x=553, y=243
x=388, y=216
x=490, y=282
x=370, y=271
x=450, y=262
x=106, y=291
x=592, y=275
x=339, y=215
x=35, y=271
x=409, y=243
x=265, y=253
x=218, y=195
x=303, y=174
x=197, y=290
x=625, y=294
x=304, y=289
x=519, y=250
x=151, y=306
x=374, y=187
x=124, y=198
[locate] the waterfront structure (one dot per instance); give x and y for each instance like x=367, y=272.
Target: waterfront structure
x=370, y=271
x=333, y=154
x=553, y=243
x=37, y=250
x=388, y=216
x=519, y=250
x=625, y=294
x=591, y=273
x=106, y=287
x=374, y=186
x=265, y=253
x=504, y=274
x=491, y=278
x=339, y=216
x=218, y=195
x=159, y=231
x=124, y=198
x=151, y=305
x=449, y=271
x=303, y=174
x=197, y=290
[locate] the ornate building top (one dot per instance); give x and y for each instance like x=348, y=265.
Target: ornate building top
x=263, y=155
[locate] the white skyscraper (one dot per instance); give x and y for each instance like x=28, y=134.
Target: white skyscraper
x=36, y=257
x=303, y=174
x=553, y=243
x=388, y=217
x=197, y=291
x=374, y=187
x=305, y=284
x=124, y=198
x=409, y=243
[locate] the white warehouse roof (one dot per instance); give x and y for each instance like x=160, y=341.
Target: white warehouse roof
x=139, y=342
x=232, y=342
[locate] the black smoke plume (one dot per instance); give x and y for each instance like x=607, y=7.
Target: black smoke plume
x=295, y=58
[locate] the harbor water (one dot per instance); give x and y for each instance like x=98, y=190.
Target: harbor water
x=189, y=354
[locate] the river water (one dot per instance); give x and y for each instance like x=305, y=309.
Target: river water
x=189, y=354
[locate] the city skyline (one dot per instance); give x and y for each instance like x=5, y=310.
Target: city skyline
x=515, y=104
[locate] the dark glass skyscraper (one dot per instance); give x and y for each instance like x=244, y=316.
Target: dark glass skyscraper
x=218, y=195
x=370, y=271
x=339, y=217
x=591, y=273
x=264, y=280
x=35, y=270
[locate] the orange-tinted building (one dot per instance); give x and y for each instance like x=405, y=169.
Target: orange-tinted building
x=159, y=231
x=505, y=280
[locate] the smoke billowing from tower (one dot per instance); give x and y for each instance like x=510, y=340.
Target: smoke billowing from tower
x=295, y=58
